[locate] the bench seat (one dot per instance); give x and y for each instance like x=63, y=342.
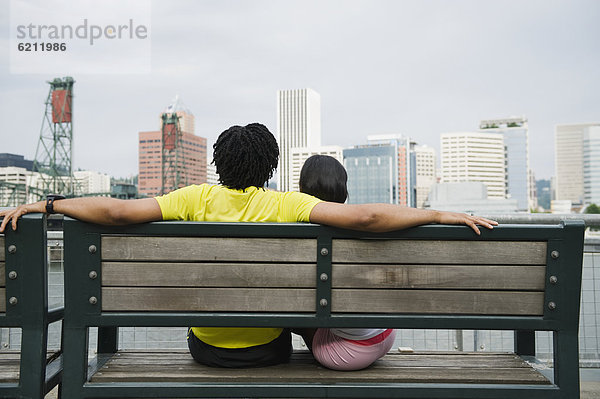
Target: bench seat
x=397, y=368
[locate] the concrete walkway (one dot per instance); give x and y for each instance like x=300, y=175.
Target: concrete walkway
x=590, y=390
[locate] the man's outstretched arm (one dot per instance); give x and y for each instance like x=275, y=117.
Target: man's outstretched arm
x=388, y=217
x=101, y=210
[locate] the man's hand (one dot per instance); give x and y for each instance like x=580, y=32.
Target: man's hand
x=11, y=215
x=463, y=218
x=99, y=210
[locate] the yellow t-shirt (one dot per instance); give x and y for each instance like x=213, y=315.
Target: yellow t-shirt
x=220, y=204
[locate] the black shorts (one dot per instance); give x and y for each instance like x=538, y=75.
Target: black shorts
x=275, y=352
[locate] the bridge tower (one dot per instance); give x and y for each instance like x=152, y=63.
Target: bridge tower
x=173, y=156
x=54, y=154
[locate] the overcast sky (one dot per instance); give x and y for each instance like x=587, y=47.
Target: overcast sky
x=419, y=68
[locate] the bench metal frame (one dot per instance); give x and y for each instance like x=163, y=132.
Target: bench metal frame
x=82, y=256
x=27, y=286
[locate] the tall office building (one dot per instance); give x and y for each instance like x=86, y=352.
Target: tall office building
x=384, y=170
x=211, y=173
x=576, y=160
x=516, y=143
x=90, y=182
x=191, y=171
x=405, y=164
x=372, y=174
x=533, y=197
x=475, y=156
x=14, y=176
x=425, y=173
x=298, y=126
x=591, y=165
x=300, y=155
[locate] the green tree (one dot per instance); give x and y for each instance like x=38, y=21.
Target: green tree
x=592, y=208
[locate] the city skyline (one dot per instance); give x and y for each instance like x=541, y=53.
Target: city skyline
x=403, y=67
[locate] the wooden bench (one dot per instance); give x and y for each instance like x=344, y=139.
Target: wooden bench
x=516, y=277
x=28, y=373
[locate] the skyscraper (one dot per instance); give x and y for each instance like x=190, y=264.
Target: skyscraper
x=425, y=172
x=591, y=165
x=475, y=156
x=405, y=163
x=91, y=182
x=372, y=174
x=191, y=169
x=211, y=173
x=382, y=171
x=516, y=143
x=298, y=126
x=577, y=158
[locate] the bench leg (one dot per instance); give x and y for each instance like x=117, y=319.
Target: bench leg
x=108, y=339
x=525, y=342
x=62, y=348
x=33, y=362
x=566, y=363
x=75, y=366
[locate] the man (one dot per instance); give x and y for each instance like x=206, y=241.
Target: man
x=245, y=158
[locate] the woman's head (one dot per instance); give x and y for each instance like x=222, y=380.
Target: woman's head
x=324, y=177
x=245, y=156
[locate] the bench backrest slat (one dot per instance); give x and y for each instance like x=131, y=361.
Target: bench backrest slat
x=209, y=249
x=208, y=299
x=461, y=277
x=164, y=274
x=449, y=252
x=516, y=303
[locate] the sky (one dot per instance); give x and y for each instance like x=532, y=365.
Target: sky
x=417, y=68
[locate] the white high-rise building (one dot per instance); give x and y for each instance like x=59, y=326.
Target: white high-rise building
x=516, y=142
x=14, y=176
x=32, y=185
x=298, y=126
x=576, y=161
x=591, y=165
x=90, y=182
x=300, y=155
x=533, y=198
x=474, y=156
x=211, y=173
x=426, y=175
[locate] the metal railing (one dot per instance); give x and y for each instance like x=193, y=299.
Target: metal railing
x=591, y=220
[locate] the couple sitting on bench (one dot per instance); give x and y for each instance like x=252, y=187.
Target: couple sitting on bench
x=245, y=159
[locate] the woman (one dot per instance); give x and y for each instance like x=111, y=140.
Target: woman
x=324, y=177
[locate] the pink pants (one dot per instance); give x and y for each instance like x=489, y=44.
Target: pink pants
x=338, y=353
